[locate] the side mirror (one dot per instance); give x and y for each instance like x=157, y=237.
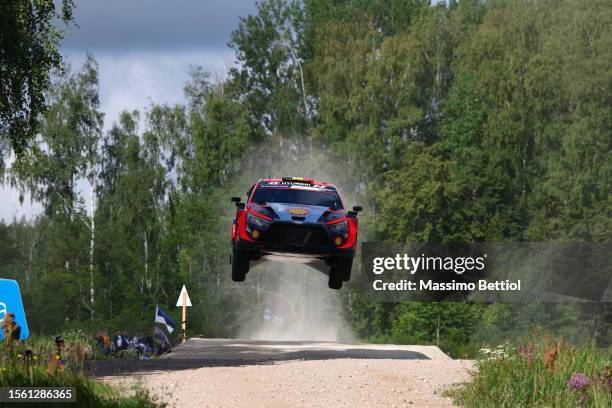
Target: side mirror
x=236, y=199
x=357, y=208
x=352, y=214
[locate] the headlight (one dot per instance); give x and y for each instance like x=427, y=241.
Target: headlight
x=263, y=210
x=257, y=221
x=331, y=215
x=338, y=227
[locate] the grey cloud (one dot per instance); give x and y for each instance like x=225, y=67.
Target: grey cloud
x=123, y=25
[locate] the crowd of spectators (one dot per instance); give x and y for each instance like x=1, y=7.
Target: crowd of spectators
x=142, y=345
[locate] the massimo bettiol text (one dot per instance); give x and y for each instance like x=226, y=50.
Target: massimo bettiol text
x=487, y=272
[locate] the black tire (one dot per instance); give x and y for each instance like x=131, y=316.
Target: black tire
x=240, y=265
x=335, y=279
x=343, y=267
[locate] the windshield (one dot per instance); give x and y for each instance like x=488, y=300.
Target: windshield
x=297, y=196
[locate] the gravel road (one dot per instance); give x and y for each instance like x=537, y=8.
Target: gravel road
x=240, y=373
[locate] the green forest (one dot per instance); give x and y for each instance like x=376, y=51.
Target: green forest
x=457, y=121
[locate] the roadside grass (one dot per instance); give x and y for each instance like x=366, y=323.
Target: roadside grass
x=89, y=393
x=79, y=345
x=35, y=363
x=76, y=343
x=545, y=374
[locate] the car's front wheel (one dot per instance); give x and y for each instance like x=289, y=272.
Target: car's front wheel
x=240, y=265
x=343, y=268
x=335, y=280
x=340, y=272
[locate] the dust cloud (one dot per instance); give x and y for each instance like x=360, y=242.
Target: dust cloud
x=293, y=303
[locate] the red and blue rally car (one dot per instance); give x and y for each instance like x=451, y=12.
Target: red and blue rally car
x=294, y=219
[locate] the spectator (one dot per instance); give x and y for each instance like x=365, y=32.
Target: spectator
x=10, y=328
x=127, y=340
x=107, y=343
x=103, y=342
x=140, y=346
x=149, y=343
x=99, y=339
x=118, y=343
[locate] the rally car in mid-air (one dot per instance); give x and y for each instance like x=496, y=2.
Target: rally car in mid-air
x=294, y=219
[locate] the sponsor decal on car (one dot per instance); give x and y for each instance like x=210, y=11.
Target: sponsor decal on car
x=293, y=184
x=298, y=211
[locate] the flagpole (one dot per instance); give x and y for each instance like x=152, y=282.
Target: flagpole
x=184, y=322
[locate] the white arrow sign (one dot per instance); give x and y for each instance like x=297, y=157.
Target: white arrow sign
x=185, y=295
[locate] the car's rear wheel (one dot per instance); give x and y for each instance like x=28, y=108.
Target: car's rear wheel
x=240, y=265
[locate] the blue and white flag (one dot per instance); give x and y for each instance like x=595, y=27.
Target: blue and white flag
x=165, y=319
x=160, y=337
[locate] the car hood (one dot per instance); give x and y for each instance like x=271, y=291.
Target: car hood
x=285, y=212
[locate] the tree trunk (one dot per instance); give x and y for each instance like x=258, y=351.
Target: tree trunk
x=92, y=241
x=147, y=280
x=31, y=259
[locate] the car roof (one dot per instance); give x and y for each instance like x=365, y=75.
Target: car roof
x=298, y=179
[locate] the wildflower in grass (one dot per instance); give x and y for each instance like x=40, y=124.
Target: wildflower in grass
x=527, y=352
x=578, y=382
x=605, y=379
x=503, y=351
x=550, y=357
x=583, y=398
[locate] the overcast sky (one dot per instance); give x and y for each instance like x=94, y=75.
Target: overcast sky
x=144, y=49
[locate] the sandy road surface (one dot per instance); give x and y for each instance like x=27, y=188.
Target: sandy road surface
x=242, y=373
